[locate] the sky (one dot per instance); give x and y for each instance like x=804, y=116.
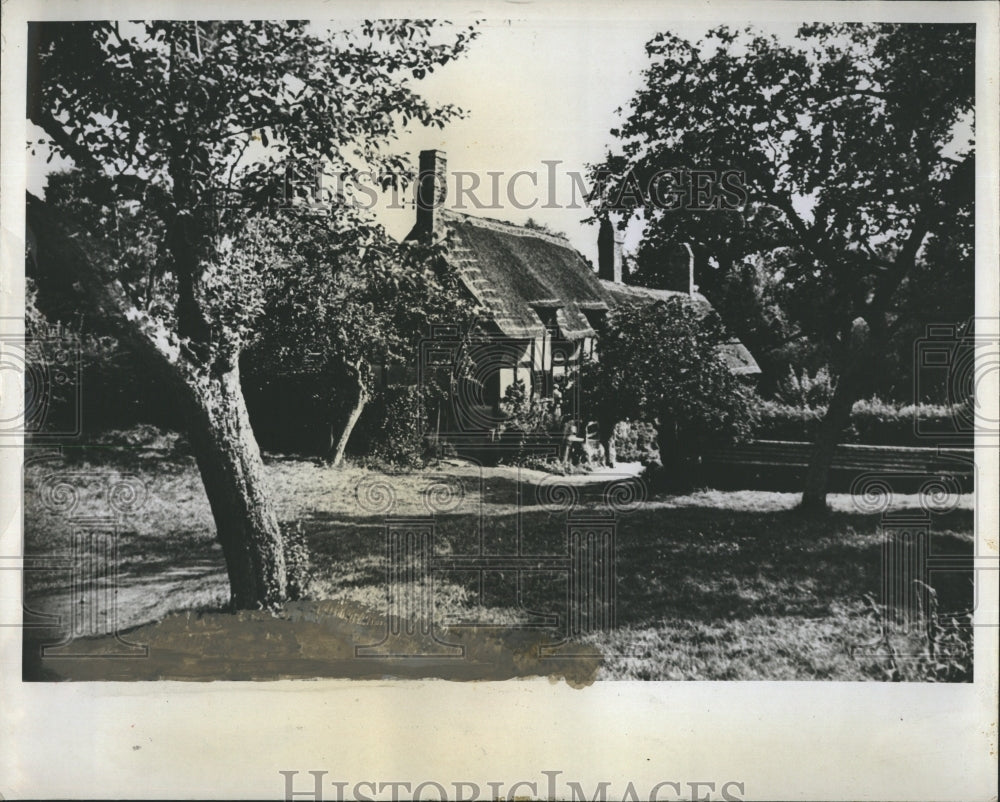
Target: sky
x=543, y=90
x=535, y=92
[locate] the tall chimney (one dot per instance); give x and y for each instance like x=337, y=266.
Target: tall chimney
x=692, y=287
x=432, y=190
x=677, y=268
x=609, y=252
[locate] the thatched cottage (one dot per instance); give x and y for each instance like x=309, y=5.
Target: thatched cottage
x=542, y=302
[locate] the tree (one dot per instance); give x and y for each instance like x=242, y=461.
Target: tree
x=337, y=306
x=201, y=121
x=853, y=147
x=660, y=364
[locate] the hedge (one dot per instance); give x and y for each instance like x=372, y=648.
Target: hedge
x=873, y=422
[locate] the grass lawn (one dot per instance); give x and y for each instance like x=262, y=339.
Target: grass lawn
x=712, y=585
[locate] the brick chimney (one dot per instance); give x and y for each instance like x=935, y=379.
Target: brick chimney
x=432, y=190
x=609, y=252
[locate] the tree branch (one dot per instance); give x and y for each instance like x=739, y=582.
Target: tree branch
x=78, y=152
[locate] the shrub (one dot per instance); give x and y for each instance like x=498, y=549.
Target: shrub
x=803, y=390
x=391, y=432
x=528, y=415
x=661, y=364
x=635, y=441
x=773, y=420
x=529, y=421
x=880, y=423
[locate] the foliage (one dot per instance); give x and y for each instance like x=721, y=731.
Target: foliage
x=114, y=389
x=879, y=422
x=934, y=647
x=660, y=364
x=535, y=420
x=187, y=131
x=198, y=126
x=132, y=228
x=529, y=415
x=392, y=429
x=873, y=421
x=35, y=322
x=304, y=92
x=535, y=424
x=859, y=119
x=338, y=304
x=130, y=390
x=773, y=420
x=749, y=294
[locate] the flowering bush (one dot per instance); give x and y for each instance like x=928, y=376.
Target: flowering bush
x=528, y=415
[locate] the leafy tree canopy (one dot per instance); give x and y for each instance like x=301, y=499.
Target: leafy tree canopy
x=855, y=146
x=353, y=302
x=200, y=122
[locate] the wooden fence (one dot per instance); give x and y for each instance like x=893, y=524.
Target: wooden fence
x=781, y=465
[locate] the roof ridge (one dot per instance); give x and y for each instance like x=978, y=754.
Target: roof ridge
x=553, y=237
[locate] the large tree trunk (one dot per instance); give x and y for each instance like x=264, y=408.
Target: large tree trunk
x=868, y=339
x=218, y=423
x=233, y=474
x=338, y=448
x=867, y=347
x=837, y=418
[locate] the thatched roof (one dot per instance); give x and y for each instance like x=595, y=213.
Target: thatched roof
x=516, y=272
x=630, y=295
x=521, y=274
x=738, y=358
